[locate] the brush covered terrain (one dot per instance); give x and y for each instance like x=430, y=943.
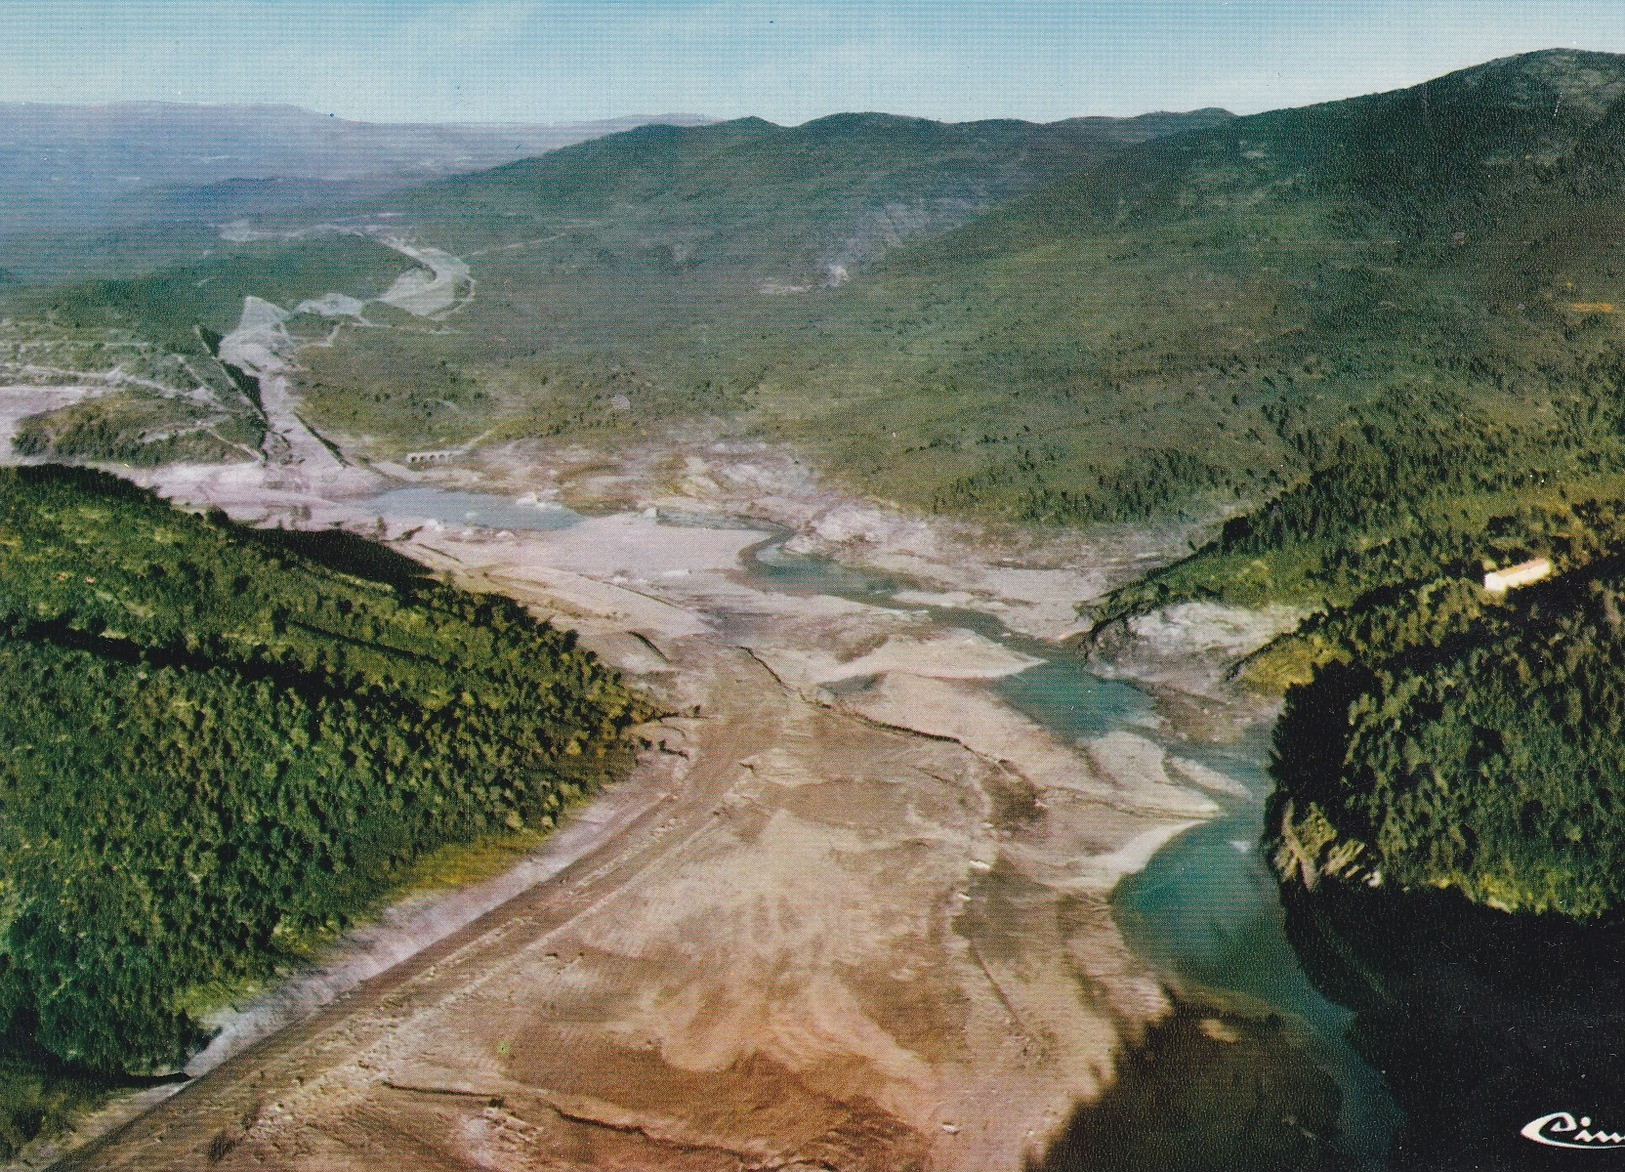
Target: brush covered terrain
x=1198, y=321
x=1066, y=324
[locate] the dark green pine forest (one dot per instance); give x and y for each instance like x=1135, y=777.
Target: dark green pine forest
x=1461, y=743
x=220, y=745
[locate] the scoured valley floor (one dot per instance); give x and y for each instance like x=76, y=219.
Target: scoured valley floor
x=850, y=911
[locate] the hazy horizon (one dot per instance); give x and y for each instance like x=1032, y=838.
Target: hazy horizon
x=788, y=61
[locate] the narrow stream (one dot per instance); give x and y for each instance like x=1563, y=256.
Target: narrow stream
x=1204, y=913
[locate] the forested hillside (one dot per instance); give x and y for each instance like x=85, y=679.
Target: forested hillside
x=1416, y=487
x=1453, y=741
x=221, y=744
x=670, y=262
x=1457, y=322
x=1437, y=361
x=1087, y=321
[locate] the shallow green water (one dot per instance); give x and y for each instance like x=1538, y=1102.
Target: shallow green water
x=1207, y=914
x=475, y=509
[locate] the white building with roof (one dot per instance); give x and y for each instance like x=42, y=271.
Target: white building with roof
x=1533, y=570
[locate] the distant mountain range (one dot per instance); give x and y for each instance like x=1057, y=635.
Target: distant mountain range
x=80, y=168
x=778, y=207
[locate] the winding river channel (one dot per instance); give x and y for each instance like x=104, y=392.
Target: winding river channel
x=1204, y=913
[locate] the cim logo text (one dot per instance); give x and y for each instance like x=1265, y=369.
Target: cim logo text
x=1562, y=1130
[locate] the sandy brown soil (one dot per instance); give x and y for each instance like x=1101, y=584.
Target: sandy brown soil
x=859, y=926
x=836, y=945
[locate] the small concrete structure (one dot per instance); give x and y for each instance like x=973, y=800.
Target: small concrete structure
x=443, y=456
x=1533, y=570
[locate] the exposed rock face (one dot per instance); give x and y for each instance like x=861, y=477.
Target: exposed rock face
x=1190, y=646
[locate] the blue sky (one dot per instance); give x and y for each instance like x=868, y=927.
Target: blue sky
x=789, y=60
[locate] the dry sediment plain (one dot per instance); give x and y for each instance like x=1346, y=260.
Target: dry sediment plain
x=850, y=910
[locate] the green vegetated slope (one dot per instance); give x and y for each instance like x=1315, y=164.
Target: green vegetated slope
x=222, y=744
x=1417, y=487
x=1315, y=282
x=665, y=261
x=141, y=428
x=693, y=271
x=1466, y=744
x=1465, y=346
x=1468, y=417
x=168, y=306
x=156, y=404
x=1085, y=321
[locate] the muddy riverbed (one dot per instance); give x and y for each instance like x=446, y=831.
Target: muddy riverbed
x=862, y=903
